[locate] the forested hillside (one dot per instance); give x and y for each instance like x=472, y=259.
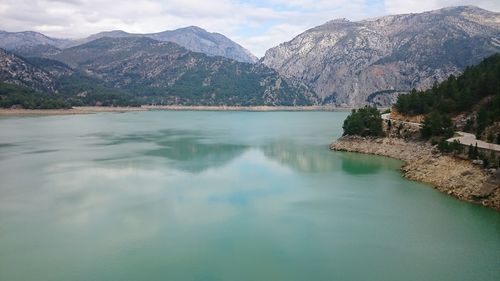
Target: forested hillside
x=473, y=97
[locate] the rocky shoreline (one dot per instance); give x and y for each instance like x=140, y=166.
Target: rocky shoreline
x=457, y=177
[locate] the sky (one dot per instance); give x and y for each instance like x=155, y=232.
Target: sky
x=255, y=24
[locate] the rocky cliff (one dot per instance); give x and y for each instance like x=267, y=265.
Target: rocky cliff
x=372, y=61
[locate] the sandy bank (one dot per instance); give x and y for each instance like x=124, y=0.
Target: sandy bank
x=454, y=176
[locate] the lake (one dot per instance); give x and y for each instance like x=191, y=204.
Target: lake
x=165, y=195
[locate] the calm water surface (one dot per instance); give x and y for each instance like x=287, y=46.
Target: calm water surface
x=223, y=196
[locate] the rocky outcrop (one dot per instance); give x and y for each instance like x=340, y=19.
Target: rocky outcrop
x=457, y=177
x=372, y=61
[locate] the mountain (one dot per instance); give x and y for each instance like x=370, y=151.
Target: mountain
x=44, y=83
x=199, y=40
x=17, y=71
x=40, y=50
x=26, y=39
x=166, y=73
x=373, y=61
x=24, y=84
x=193, y=38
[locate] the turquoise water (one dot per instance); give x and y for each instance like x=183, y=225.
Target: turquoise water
x=223, y=196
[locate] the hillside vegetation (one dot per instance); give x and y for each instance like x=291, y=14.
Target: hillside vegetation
x=475, y=94
x=18, y=96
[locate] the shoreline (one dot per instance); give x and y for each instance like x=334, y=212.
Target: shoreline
x=69, y=111
x=258, y=108
x=451, y=175
x=99, y=109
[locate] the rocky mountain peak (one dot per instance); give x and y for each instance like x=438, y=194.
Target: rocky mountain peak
x=199, y=40
x=372, y=61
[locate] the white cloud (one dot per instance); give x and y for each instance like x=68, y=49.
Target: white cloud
x=415, y=6
x=256, y=24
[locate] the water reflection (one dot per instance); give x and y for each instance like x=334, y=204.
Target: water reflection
x=196, y=151
x=6, y=145
x=191, y=155
x=187, y=150
x=110, y=138
x=179, y=196
x=363, y=164
x=302, y=158
x=41, y=151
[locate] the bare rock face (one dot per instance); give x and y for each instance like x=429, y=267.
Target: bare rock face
x=372, y=61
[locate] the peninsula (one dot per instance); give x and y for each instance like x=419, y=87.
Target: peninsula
x=448, y=136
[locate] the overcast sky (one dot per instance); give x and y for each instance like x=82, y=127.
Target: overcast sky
x=255, y=24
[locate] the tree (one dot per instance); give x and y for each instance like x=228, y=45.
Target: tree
x=470, y=152
x=437, y=124
x=364, y=122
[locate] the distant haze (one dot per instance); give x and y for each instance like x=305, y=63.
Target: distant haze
x=257, y=25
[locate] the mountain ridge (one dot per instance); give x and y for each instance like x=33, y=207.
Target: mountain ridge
x=141, y=70
x=196, y=39
x=341, y=62
x=347, y=62
x=174, y=75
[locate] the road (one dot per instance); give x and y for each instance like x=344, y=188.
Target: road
x=470, y=139
x=463, y=138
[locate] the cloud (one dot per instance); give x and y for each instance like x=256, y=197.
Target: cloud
x=255, y=24
x=415, y=6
